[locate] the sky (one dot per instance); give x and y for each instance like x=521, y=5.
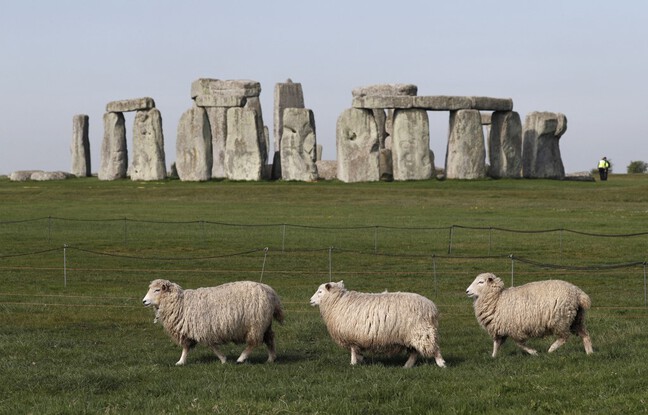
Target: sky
x=585, y=59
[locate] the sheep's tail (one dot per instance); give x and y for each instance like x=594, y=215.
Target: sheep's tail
x=278, y=313
x=584, y=301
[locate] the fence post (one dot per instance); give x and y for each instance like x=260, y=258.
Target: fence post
x=265, y=255
x=375, y=239
x=450, y=240
x=512, y=268
x=65, y=265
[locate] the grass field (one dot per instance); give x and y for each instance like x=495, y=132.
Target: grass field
x=76, y=258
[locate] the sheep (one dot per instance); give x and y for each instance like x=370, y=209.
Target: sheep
x=387, y=322
x=529, y=311
x=238, y=312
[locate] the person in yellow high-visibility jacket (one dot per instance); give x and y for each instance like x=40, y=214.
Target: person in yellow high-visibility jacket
x=603, y=167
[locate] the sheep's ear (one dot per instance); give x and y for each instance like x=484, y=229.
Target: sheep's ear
x=327, y=286
x=165, y=286
x=490, y=278
x=341, y=283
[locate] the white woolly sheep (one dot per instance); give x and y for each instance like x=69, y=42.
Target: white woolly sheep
x=238, y=312
x=533, y=310
x=385, y=322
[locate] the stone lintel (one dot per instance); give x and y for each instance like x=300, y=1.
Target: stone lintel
x=127, y=105
x=385, y=90
x=442, y=103
x=240, y=87
x=226, y=101
x=492, y=104
x=375, y=101
x=433, y=102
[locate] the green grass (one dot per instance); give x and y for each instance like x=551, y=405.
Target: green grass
x=90, y=347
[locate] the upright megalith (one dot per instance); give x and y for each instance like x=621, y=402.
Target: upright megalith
x=148, y=146
x=287, y=94
x=114, y=153
x=541, y=157
x=217, y=97
x=243, y=148
x=504, y=144
x=411, y=145
x=80, y=147
x=466, y=152
x=358, y=148
x=194, y=146
x=298, y=145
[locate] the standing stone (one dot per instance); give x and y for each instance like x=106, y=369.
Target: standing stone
x=114, y=154
x=148, y=146
x=218, y=124
x=411, y=145
x=254, y=104
x=466, y=152
x=505, y=144
x=286, y=95
x=80, y=148
x=358, y=147
x=243, y=153
x=193, y=146
x=541, y=150
x=298, y=145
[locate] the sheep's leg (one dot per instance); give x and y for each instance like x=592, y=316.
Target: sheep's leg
x=243, y=357
x=497, y=342
x=356, y=357
x=183, y=356
x=411, y=360
x=438, y=359
x=587, y=342
x=220, y=355
x=559, y=342
x=268, y=339
x=526, y=348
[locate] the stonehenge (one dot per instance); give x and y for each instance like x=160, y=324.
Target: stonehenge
x=384, y=135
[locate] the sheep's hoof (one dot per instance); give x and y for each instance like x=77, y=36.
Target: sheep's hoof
x=180, y=363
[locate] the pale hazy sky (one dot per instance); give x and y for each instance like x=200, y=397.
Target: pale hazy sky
x=586, y=59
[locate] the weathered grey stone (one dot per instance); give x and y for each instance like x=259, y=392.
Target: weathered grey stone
x=541, y=157
x=114, y=153
x=298, y=145
x=194, y=146
x=80, y=147
x=237, y=87
x=327, y=169
x=357, y=146
x=375, y=101
x=223, y=101
x=44, y=176
x=319, y=152
x=580, y=176
x=466, y=152
x=148, y=147
x=218, y=124
x=286, y=95
x=127, y=105
x=442, y=103
x=385, y=90
x=411, y=145
x=491, y=104
x=486, y=118
x=381, y=120
x=22, y=175
x=254, y=104
x=243, y=153
x=385, y=165
x=505, y=145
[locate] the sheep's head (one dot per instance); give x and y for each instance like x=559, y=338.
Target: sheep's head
x=484, y=283
x=323, y=290
x=156, y=289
